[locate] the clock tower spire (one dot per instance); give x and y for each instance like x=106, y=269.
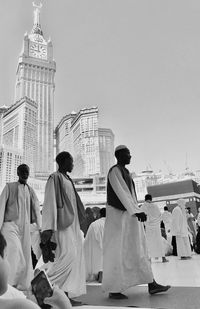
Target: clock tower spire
x=36, y=25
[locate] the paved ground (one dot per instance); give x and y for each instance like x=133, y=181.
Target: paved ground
x=182, y=275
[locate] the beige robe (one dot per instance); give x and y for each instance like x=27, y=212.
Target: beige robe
x=93, y=249
x=68, y=269
x=18, y=237
x=125, y=256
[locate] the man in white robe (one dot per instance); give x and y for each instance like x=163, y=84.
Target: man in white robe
x=125, y=257
x=167, y=219
x=19, y=207
x=180, y=230
x=192, y=225
x=153, y=229
x=67, y=270
x=93, y=248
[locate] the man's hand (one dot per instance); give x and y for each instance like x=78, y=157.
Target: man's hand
x=141, y=216
x=58, y=300
x=46, y=236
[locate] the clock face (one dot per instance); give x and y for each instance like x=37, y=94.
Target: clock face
x=38, y=50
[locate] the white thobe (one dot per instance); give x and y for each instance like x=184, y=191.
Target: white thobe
x=125, y=257
x=18, y=238
x=180, y=230
x=153, y=230
x=168, y=249
x=167, y=220
x=68, y=269
x=198, y=219
x=93, y=249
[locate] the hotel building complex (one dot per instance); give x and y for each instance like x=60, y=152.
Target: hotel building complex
x=91, y=147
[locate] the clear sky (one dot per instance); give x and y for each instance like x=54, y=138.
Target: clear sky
x=137, y=60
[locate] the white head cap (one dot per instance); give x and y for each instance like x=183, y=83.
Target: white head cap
x=120, y=147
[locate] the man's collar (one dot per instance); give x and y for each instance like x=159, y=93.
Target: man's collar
x=22, y=183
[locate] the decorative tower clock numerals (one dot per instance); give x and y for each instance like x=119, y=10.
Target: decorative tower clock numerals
x=38, y=50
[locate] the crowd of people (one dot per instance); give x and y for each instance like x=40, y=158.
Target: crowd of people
x=114, y=245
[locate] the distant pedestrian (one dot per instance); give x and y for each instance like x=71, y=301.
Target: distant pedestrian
x=180, y=230
x=167, y=219
x=192, y=225
x=153, y=230
x=198, y=219
x=89, y=219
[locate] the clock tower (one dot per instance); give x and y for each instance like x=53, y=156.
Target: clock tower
x=35, y=80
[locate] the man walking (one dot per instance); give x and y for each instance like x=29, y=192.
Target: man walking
x=19, y=207
x=125, y=257
x=62, y=215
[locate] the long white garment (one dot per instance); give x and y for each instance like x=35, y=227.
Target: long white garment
x=12, y=293
x=35, y=240
x=153, y=230
x=93, y=249
x=17, y=235
x=125, y=257
x=168, y=249
x=183, y=246
x=198, y=219
x=180, y=229
x=68, y=269
x=167, y=220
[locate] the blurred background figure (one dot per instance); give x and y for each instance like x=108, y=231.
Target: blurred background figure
x=168, y=249
x=93, y=248
x=180, y=230
x=197, y=245
x=89, y=219
x=167, y=219
x=192, y=226
x=153, y=230
x=198, y=219
x=96, y=212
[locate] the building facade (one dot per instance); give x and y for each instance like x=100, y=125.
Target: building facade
x=63, y=134
x=3, y=109
x=35, y=80
x=20, y=130
x=10, y=159
x=91, y=147
x=85, y=141
x=106, y=150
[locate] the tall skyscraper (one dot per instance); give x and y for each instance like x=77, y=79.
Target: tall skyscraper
x=35, y=80
x=20, y=130
x=106, y=150
x=78, y=134
x=10, y=159
x=3, y=109
x=63, y=134
x=91, y=147
x=86, y=142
